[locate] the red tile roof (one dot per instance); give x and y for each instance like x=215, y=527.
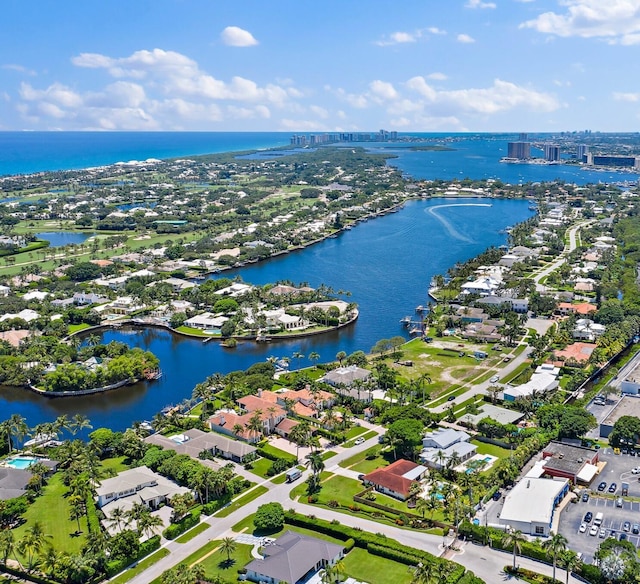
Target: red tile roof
x=390, y=477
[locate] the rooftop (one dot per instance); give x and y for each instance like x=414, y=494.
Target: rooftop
x=629, y=405
x=531, y=500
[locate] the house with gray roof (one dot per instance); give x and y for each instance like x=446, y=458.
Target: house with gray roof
x=13, y=482
x=293, y=558
x=346, y=375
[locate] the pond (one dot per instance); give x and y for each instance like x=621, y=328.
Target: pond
x=60, y=238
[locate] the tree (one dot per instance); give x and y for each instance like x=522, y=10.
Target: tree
x=228, y=546
x=425, y=573
x=626, y=431
x=269, y=517
x=515, y=539
x=117, y=518
x=32, y=543
x=406, y=434
x=570, y=562
x=340, y=356
x=78, y=423
x=314, y=357
x=556, y=545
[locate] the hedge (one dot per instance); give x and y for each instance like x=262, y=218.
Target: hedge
x=271, y=456
x=348, y=545
x=378, y=544
x=151, y=545
x=176, y=529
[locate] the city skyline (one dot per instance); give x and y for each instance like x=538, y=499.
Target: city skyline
x=464, y=65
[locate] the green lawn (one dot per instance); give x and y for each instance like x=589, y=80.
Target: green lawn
x=261, y=466
x=328, y=454
x=363, y=566
x=217, y=564
x=140, y=567
x=246, y=498
x=491, y=449
x=278, y=480
x=197, y=530
x=269, y=449
x=115, y=465
x=52, y=511
x=354, y=432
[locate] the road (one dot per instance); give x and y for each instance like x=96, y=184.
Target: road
x=485, y=562
x=573, y=235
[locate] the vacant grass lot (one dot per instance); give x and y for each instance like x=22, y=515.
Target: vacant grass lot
x=491, y=449
x=217, y=565
x=52, y=511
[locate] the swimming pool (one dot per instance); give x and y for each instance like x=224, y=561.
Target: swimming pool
x=21, y=462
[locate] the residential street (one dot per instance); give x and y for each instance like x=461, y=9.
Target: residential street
x=483, y=561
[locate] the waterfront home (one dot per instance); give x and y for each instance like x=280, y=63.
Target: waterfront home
x=482, y=286
x=192, y=442
x=236, y=289
x=238, y=425
x=346, y=376
x=84, y=299
x=178, y=284
x=312, y=401
x=519, y=305
x=13, y=482
x=293, y=558
x=206, y=321
x=396, y=479
x=122, y=305
x=279, y=319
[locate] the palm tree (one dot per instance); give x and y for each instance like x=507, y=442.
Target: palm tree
x=299, y=435
x=314, y=357
x=424, y=573
x=316, y=464
x=117, y=518
x=570, y=562
x=147, y=523
x=340, y=356
x=79, y=422
x=556, y=545
x=237, y=429
x=255, y=423
x=228, y=546
x=16, y=426
x=299, y=356
x=8, y=546
x=32, y=543
x=514, y=538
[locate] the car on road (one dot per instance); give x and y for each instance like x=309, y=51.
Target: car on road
x=497, y=495
x=603, y=533
x=626, y=526
x=585, y=496
x=494, y=379
x=583, y=527
x=613, y=487
x=359, y=441
x=588, y=516
x=602, y=486
x=594, y=530
x=506, y=359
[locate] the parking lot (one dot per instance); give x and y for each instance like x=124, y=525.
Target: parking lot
x=614, y=518
x=617, y=470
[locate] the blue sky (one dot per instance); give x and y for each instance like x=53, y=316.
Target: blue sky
x=321, y=65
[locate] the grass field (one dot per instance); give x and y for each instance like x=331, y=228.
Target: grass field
x=197, y=530
x=140, y=567
x=217, y=563
x=261, y=466
x=52, y=511
x=114, y=465
x=365, y=567
x=246, y=498
x=491, y=449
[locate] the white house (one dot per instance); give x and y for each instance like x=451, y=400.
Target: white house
x=4, y=290
x=544, y=378
x=482, y=286
x=141, y=484
x=587, y=330
x=206, y=321
x=27, y=315
x=443, y=444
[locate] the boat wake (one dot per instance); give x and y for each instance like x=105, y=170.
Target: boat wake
x=451, y=230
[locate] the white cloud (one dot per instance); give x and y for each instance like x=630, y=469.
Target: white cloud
x=419, y=85
x=436, y=76
x=319, y=111
x=435, y=30
x=398, y=38
x=17, y=68
x=56, y=94
x=234, y=36
x=465, y=38
x=617, y=21
x=628, y=97
x=383, y=90
x=479, y=4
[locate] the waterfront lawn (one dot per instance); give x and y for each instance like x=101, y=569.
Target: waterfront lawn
x=112, y=466
x=74, y=328
x=365, y=567
x=52, y=511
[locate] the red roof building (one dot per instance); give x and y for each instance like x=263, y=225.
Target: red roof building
x=396, y=479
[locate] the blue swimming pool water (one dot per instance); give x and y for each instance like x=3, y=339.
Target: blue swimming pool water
x=21, y=462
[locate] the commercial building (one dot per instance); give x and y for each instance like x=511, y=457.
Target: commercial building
x=519, y=150
x=629, y=405
x=576, y=463
x=531, y=504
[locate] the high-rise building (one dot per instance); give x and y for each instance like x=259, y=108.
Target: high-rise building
x=581, y=152
x=519, y=150
x=551, y=152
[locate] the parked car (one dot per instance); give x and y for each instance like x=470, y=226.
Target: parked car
x=635, y=528
x=603, y=533
x=635, y=470
x=602, y=486
x=623, y=536
x=594, y=530
x=451, y=398
x=494, y=379
x=626, y=526
x=359, y=441
x=583, y=527
x=613, y=487
x=588, y=517
x=585, y=496
x=497, y=495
